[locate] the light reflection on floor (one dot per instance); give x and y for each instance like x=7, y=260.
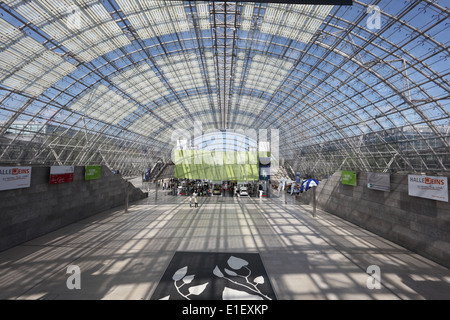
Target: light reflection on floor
x=123, y=255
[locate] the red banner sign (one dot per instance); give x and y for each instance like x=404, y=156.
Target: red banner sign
x=61, y=174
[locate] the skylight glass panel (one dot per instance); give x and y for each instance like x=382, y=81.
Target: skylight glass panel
x=211, y=70
x=170, y=111
x=239, y=68
x=84, y=27
x=205, y=119
x=196, y=104
x=204, y=24
x=244, y=120
x=26, y=65
x=300, y=22
x=183, y=123
x=248, y=104
x=266, y=73
x=103, y=104
x=247, y=15
x=145, y=125
x=203, y=14
x=182, y=71
x=202, y=9
x=141, y=82
x=152, y=18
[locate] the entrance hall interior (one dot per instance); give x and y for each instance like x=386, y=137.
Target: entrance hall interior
x=217, y=150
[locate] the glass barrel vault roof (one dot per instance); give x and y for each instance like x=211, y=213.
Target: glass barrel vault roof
x=108, y=82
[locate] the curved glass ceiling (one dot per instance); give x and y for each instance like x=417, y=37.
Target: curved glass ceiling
x=108, y=82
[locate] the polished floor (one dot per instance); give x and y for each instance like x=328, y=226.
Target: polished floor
x=123, y=255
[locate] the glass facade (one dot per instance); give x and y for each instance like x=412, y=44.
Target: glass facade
x=361, y=87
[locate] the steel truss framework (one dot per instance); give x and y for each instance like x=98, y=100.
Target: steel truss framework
x=109, y=82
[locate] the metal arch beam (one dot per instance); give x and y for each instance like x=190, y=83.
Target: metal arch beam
x=338, y=128
x=344, y=111
x=11, y=121
x=309, y=46
x=110, y=130
x=400, y=94
x=436, y=131
x=321, y=59
x=61, y=123
x=118, y=70
x=201, y=48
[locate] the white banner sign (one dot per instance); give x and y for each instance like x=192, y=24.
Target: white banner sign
x=15, y=177
x=429, y=187
x=61, y=169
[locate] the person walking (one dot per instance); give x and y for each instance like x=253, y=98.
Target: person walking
x=190, y=202
x=196, y=201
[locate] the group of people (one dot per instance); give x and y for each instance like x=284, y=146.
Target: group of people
x=193, y=198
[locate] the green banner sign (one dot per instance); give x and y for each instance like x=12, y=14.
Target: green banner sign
x=92, y=172
x=217, y=165
x=349, y=178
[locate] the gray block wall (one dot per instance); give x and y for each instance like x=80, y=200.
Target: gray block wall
x=31, y=212
x=418, y=224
